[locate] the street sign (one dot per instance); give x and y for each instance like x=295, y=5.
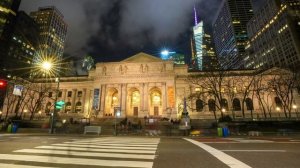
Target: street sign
x=59, y=104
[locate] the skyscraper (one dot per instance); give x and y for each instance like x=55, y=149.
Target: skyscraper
x=230, y=32
x=8, y=13
x=22, y=45
x=197, y=42
x=274, y=34
x=53, y=31
x=203, y=55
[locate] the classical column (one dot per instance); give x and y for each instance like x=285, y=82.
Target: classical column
x=103, y=96
x=84, y=107
x=164, y=99
x=146, y=99
x=142, y=92
x=64, y=94
x=73, y=100
x=124, y=95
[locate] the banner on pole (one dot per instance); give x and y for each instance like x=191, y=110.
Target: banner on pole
x=18, y=90
x=96, y=99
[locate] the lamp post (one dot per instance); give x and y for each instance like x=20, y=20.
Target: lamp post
x=295, y=108
x=118, y=114
x=25, y=111
x=47, y=67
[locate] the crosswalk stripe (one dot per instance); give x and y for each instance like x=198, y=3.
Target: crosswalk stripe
x=20, y=166
x=107, y=147
x=112, y=144
x=110, y=155
x=76, y=161
x=94, y=150
x=223, y=157
x=121, y=141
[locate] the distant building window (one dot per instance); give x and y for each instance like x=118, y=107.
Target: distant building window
x=60, y=94
x=278, y=102
x=236, y=104
x=69, y=93
x=79, y=94
x=50, y=94
x=224, y=104
x=199, y=105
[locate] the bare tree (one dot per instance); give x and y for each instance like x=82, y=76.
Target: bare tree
x=283, y=85
x=37, y=95
x=212, y=84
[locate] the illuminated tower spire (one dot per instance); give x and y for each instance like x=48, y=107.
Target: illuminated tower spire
x=195, y=13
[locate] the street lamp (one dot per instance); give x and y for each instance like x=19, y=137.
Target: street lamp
x=295, y=108
x=25, y=111
x=0, y=115
x=48, y=67
x=117, y=114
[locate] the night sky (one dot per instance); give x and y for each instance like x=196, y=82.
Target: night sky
x=112, y=30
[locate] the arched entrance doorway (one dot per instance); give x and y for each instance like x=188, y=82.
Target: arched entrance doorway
x=155, y=102
x=133, y=102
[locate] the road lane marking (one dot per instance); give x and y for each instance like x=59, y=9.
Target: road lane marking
x=73, y=153
x=76, y=161
x=107, y=147
x=20, y=166
x=94, y=150
x=253, y=150
x=112, y=144
x=223, y=157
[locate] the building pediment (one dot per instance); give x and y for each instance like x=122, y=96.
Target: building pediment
x=142, y=57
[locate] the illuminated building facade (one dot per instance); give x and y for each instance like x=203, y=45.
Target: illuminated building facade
x=274, y=33
x=230, y=32
x=146, y=86
x=8, y=13
x=53, y=31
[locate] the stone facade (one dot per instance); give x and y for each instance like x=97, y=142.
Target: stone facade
x=147, y=86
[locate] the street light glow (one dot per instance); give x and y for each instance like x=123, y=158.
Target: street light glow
x=46, y=65
x=294, y=106
x=165, y=52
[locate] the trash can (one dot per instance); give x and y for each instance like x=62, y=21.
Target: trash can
x=225, y=132
x=14, y=128
x=220, y=133
x=9, y=128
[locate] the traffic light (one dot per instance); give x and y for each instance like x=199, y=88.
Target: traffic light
x=59, y=105
x=3, y=84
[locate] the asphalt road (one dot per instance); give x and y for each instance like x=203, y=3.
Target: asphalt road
x=31, y=151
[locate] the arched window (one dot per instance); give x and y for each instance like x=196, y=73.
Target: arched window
x=278, y=102
x=135, y=98
x=211, y=105
x=115, y=100
x=156, y=98
x=199, y=105
x=68, y=107
x=78, y=107
x=249, y=104
x=48, y=107
x=236, y=104
x=224, y=104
